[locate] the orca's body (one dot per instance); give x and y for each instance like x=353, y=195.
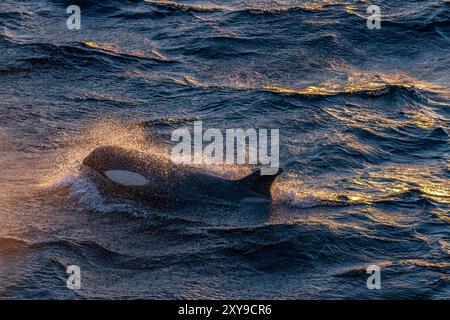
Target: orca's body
x=137, y=175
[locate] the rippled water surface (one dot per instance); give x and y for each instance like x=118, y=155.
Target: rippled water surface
x=364, y=133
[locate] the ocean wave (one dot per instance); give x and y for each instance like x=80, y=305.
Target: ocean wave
x=8, y=244
x=351, y=82
x=320, y=240
x=14, y=70
x=420, y=17
x=116, y=50
x=368, y=91
x=52, y=56
x=356, y=271
x=255, y=7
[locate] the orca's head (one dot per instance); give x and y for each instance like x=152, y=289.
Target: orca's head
x=112, y=163
x=100, y=158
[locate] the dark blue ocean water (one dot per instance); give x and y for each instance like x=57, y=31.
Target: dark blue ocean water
x=364, y=134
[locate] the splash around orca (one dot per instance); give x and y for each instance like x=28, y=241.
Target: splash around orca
x=140, y=176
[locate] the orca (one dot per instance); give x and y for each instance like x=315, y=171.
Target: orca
x=144, y=177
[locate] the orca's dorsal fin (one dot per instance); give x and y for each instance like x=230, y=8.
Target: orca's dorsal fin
x=260, y=183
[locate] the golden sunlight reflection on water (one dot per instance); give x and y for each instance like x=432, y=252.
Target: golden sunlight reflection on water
x=399, y=178
x=362, y=81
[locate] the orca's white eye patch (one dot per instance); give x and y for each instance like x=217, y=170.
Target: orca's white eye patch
x=126, y=178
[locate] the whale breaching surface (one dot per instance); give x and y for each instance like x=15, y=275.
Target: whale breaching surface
x=147, y=178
